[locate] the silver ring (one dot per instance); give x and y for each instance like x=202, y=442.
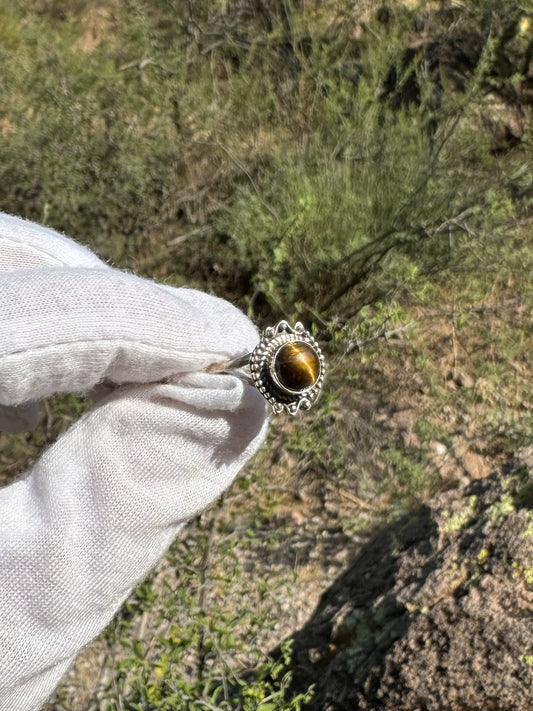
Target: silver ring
x=286, y=366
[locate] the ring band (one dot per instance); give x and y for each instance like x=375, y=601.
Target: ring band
x=286, y=366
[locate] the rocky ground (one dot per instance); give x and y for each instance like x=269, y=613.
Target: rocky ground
x=435, y=611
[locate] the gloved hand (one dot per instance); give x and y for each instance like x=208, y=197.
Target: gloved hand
x=97, y=511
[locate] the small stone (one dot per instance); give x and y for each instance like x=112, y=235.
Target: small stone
x=464, y=380
x=475, y=465
x=438, y=448
x=297, y=366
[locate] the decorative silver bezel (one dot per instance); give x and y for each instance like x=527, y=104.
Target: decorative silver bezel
x=263, y=373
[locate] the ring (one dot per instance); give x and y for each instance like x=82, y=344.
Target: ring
x=286, y=366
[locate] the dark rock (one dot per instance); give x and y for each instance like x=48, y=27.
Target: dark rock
x=436, y=612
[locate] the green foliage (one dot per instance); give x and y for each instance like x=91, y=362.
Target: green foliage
x=338, y=156
x=86, y=147
x=461, y=519
x=192, y=660
x=161, y=686
x=429, y=431
x=412, y=474
x=372, y=194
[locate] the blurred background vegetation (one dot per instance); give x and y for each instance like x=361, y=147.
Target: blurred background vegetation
x=365, y=167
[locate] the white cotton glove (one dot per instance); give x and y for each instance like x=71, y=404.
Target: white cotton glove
x=101, y=506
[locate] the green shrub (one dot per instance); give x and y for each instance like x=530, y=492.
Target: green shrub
x=371, y=198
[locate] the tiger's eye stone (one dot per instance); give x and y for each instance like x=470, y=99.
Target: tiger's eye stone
x=297, y=366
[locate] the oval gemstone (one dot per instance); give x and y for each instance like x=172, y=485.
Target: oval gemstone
x=297, y=366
